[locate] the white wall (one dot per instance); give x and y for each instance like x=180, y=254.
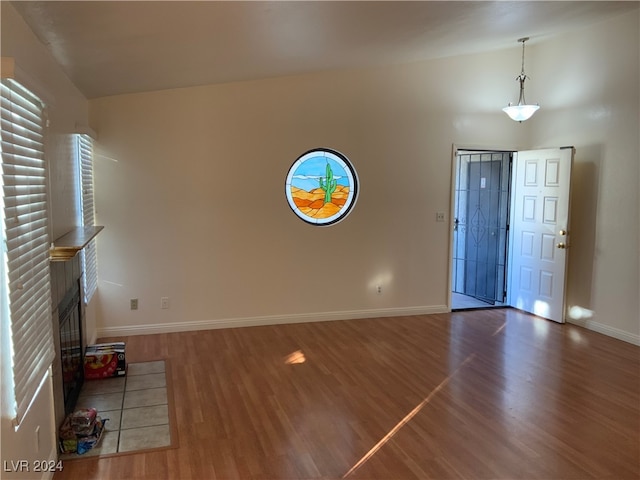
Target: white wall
x=190, y=188
x=66, y=108
x=588, y=84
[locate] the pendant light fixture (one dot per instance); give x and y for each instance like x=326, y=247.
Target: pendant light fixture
x=521, y=111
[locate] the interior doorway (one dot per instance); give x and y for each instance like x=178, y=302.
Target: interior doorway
x=480, y=228
x=511, y=229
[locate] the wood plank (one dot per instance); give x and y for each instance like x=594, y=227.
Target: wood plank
x=478, y=394
x=67, y=246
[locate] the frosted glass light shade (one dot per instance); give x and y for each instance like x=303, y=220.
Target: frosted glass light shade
x=520, y=113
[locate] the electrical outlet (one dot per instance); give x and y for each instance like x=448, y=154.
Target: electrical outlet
x=133, y=303
x=379, y=289
x=164, y=303
x=440, y=217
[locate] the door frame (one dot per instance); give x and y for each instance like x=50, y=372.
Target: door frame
x=454, y=149
x=509, y=262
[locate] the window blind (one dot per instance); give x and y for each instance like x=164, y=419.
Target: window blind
x=26, y=246
x=89, y=253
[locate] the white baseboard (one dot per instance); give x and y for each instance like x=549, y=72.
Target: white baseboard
x=607, y=330
x=147, y=329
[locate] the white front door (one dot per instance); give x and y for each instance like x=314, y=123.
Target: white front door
x=539, y=231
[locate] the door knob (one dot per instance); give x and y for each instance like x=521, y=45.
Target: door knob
x=561, y=245
x=562, y=232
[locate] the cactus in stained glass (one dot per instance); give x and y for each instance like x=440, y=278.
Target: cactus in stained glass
x=328, y=184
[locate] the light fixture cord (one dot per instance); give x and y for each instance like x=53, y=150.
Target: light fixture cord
x=521, y=78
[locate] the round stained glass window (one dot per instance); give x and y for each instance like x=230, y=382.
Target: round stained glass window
x=322, y=187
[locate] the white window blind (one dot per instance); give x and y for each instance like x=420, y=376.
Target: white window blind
x=25, y=250
x=84, y=148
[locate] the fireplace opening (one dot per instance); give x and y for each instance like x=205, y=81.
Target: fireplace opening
x=70, y=321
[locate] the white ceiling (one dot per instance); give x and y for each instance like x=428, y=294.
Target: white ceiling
x=112, y=47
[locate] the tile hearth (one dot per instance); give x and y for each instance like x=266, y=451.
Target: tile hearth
x=136, y=407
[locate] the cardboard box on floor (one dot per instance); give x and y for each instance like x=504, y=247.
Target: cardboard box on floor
x=105, y=360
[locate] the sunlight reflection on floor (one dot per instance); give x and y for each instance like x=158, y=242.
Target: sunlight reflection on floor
x=407, y=418
x=295, y=358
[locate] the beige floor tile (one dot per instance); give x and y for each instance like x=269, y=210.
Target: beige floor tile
x=145, y=416
x=102, y=403
x=145, y=367
x=108, y=444
x=106, y=385
x=144, y=438
x=145, y=398
x=150, y=380
x=114, y=416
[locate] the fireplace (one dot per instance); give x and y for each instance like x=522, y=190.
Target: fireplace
x=70, y=321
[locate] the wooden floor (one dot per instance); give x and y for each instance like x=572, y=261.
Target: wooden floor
x=493, y=394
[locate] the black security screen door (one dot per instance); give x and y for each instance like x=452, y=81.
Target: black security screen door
x=480, y=225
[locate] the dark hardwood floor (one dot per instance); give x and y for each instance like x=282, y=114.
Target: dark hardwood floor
x=494, y=394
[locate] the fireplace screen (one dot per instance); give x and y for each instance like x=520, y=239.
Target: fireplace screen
x=71, y=346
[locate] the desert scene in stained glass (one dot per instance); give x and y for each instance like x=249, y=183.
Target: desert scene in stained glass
x=320, y=187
